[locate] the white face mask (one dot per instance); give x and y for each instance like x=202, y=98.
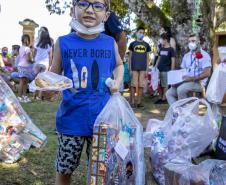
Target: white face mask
x=192, y=46
x=75, y=25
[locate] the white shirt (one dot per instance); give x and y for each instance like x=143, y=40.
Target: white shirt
x=23, y=53
x=194, y=67
x=42, y=55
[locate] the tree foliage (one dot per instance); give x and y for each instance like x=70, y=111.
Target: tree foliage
x=60, y=6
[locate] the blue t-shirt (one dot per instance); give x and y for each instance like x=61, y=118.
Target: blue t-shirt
x=88, y=63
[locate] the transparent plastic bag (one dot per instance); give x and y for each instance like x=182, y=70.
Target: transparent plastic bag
x=14, y=122
x=154, y=78
x=183, y=129
x=153, y=125
x=49, y=81
x=217, y=86
x=118, y=154
x=208, y=172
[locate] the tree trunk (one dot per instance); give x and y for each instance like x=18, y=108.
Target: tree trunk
x=149, y=13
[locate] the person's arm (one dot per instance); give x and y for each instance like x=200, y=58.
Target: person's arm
x=119, y=71
x=29, y=55
x=130, y=61
x=173, y=43
x=57, y=60
x=205, y=74
x=173, y=59
x=55, y=68
x=173, y=63
x=50, y=57
x=148, y=61
x=121, y=41
x=1, y=62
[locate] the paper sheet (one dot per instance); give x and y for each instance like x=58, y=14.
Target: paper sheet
x=175, y=76
x=121, y=150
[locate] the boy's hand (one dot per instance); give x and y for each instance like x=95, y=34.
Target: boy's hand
x=115, y=87
x=50, y=95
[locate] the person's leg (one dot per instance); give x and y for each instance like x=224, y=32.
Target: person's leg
x=134, y=84
x=141, y=87
x=171, y=95
x=164, y=86
x=62, y=179
x=89, y=141
x=68, y=157
x=20, y=89
x=185, y=88
x=24, y=87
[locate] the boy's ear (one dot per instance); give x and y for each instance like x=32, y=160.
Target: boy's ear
x=106, y=16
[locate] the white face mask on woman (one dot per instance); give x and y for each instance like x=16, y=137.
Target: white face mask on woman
x=77, y=26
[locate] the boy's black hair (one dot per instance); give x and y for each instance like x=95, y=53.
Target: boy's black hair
x=192, y=35
x=168, y=30
x=15, y=47
x=140, y=28
x=165, y=36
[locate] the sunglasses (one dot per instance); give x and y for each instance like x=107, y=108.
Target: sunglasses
x=97, y=7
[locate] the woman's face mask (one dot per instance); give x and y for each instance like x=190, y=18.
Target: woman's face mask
x=4, y=53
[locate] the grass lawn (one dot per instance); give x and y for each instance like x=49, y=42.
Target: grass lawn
x=36, y=167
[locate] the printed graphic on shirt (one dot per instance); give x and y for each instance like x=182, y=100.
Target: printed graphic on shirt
x=83, y=72
x=95, y=75
x=84, y=77
x=164, y=53
x=140, y=49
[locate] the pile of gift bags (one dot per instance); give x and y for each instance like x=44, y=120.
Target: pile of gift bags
x=183, y=131
x=17, y=131
x=117, y=154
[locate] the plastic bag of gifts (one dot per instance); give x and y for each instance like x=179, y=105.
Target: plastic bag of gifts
x=208, y=172
x=17, y=132
x=183, y=129
x=217, y=86
x=49, y=81
x=117, y=149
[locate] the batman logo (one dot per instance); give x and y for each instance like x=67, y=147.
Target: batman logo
x=140, y=49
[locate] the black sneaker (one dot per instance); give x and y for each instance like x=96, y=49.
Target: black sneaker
x=159, y=101
x=140, y=105
x=164, y=102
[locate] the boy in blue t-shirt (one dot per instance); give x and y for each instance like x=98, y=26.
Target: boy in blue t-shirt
x=88, y=57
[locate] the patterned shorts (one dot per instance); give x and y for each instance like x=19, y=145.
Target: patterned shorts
x=69, y=152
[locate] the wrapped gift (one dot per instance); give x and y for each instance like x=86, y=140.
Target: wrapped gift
x=107, y=165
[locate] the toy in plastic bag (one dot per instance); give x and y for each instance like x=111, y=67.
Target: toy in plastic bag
x=117, y=154
x=49, y=81
x=15, y=124
x=209, y=172
x=217, y=85
x=183, y=129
